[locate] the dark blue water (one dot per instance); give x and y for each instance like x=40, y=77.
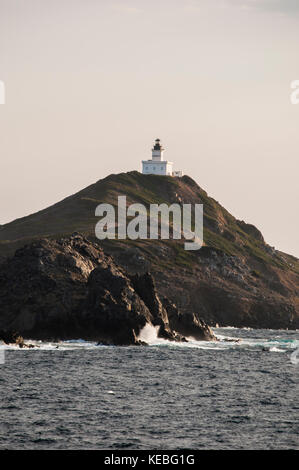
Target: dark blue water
x=201, y=396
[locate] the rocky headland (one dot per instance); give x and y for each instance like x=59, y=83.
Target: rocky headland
x=69, y=288
x=57, y=287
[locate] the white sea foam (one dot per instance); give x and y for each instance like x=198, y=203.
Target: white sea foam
x=47, y=345
x=149, y=334
x=275, y=349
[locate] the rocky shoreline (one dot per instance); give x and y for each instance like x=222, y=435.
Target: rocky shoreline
x=70, y=288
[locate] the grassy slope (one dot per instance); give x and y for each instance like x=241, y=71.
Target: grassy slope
x=76, y=213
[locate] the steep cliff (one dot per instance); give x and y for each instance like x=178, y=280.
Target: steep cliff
x=69, y=288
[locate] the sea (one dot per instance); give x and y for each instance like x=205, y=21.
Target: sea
x=240, y=392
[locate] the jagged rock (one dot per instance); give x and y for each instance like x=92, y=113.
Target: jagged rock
x=145, y=287
x=43, y=285
x=8, y=337
x=270, y=250
x=69, y=288
x=187, y=324
x=113, y=309
x=251, y=230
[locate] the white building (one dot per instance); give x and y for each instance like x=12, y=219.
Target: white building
x=157, y=165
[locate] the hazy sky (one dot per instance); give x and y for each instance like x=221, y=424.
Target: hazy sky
x=91, y=83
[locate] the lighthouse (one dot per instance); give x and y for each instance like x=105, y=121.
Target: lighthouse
x=157, y=151
x=157, y=165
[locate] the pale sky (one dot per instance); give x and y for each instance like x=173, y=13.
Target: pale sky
x=91, y=83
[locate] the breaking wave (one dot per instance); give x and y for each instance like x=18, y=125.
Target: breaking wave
x=273, y=341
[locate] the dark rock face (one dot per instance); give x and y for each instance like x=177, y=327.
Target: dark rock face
x=8, y=337
x=113, y=308
x=144, y=285
x=146, y=289
x=43, y=285
x=188, y=324
x=227, y=290
x=69, y=288
x=12, y=337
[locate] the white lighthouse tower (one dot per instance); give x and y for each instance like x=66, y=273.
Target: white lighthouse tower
x=157, y=165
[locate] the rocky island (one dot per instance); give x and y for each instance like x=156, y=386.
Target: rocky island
x=69, y=288
x=58, y=285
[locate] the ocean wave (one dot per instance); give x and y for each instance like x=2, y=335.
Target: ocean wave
x=149, y=334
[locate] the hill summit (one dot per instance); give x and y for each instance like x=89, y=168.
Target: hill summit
x=235, y=279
